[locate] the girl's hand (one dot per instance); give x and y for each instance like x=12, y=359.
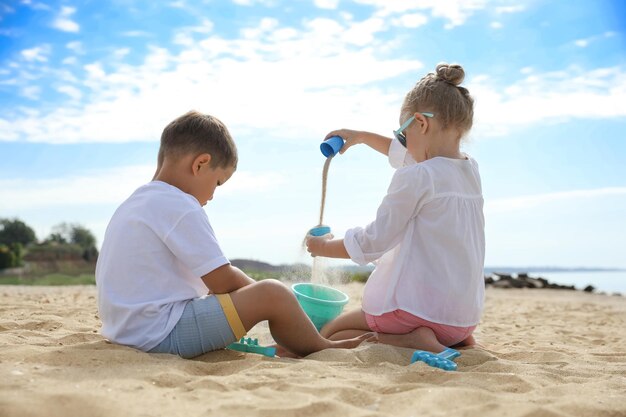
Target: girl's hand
x=351, y=137
x=315, y=244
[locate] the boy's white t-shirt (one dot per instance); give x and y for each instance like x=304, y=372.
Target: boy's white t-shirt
x=427, y=242
x=158, y=245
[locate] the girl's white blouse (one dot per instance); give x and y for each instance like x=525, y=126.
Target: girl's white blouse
x=427, y=242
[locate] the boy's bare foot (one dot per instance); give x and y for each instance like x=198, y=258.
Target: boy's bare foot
x=281, y=352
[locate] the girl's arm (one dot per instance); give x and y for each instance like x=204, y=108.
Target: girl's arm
x=323, y=246
x=353, y=137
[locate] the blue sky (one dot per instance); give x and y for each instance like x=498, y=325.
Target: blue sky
x=86, y=88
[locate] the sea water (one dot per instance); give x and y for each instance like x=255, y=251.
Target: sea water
x=603, y=281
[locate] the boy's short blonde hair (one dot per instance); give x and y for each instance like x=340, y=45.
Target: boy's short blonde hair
x=197, y=133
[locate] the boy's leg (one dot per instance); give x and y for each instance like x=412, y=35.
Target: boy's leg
x=291, y=328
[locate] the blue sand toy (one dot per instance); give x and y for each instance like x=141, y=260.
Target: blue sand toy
x=250, y=345
x=319, y=230
x=331, y=146
x=442, y=360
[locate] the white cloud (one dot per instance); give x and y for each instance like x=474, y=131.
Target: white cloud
x=364, y=33
x=72, y=92
x=5, y=9
x=456, y=12
x=185, y=36
x=253, y=2
x=135, y=34
x=278, y=73
x=526, y=70
x=64, y=22
x=331, y=87
x=583, y=43
x=110, y=187
x=496, y=25
x=180, y=4
x=510, y=9
x=412, y=20
x=76, y=47
x=552, y=96
x=269, y=79
x=267, y=25
x=31, y=92
x=121, y=53
x=36, y=54
x=326, y=4
x=70, y=60
x=35, y=5
x=537, y=200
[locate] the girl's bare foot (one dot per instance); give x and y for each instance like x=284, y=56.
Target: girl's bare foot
x=469, y=341
x=354, y=342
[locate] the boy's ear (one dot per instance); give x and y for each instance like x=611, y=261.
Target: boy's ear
x=200, y=162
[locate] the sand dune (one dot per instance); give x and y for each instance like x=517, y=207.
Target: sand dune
x=543, y=353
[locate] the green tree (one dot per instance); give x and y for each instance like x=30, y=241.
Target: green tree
x=55, y=238
x=61, y=233
x=82, y=237
x=7, y=257
x=18, y=251
x=75, y=234
x=15, y=231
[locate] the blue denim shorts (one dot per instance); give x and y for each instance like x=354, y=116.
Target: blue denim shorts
x=208, y=323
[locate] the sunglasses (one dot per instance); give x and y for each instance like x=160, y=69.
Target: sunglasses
x=399, y=134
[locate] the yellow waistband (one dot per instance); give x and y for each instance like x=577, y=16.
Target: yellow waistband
x=231, y=315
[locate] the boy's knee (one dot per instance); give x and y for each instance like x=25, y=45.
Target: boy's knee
x=274, y=289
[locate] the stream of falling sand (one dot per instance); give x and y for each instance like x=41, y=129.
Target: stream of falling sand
x=324, y=178
x=317, y=272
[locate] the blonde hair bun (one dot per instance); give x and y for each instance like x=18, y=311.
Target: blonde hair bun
x=450, y=73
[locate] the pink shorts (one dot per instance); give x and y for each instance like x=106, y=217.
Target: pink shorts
x=401, y=322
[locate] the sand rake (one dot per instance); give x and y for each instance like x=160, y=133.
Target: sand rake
x=441, y=360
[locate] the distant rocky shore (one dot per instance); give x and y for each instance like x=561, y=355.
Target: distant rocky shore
x=493, y=278
x=523, y=280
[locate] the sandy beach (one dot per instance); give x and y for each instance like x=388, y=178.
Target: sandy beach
x=543, y=353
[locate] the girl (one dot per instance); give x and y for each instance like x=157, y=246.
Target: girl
x=427, y=241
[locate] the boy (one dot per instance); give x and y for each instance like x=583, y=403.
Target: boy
x=160, y=258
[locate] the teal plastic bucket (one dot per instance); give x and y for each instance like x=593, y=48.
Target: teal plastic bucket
x=319, y=302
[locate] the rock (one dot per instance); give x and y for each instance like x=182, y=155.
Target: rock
x=502, y=283
x=522, y=280
x=534, y=282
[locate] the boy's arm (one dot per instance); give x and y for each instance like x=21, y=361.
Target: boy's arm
x=225, y=279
